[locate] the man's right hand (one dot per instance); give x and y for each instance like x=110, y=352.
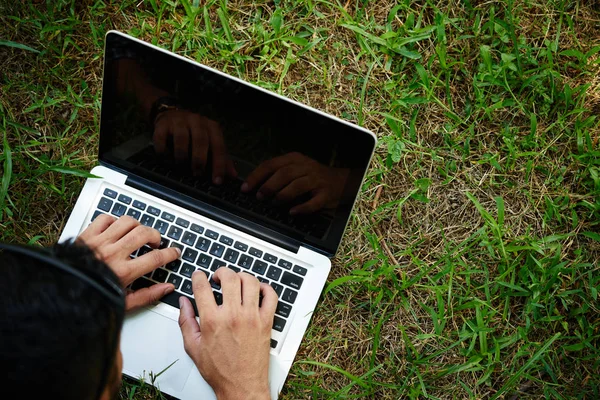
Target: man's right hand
x=231, y=345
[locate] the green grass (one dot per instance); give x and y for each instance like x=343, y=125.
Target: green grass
x=470, y=267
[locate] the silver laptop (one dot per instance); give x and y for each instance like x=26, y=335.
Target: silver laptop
x=237, y=177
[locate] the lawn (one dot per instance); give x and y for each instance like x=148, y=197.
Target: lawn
x=470, y=266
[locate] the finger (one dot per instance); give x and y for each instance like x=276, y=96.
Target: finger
x=231, y=171
x=146, y=296
x=181, y=142
x=250, y=290
x=281, y=178
x=230, y=286
x=152, y=260
x=200, y=144
x=99, y=225
x=136, y=238
x=264, y=170
x=161, y=133
x=269, y=301
x=205, y=300
x=297, y=188
x=311, y=206
x=218, y=152
x=118, y=229
x=190, y=330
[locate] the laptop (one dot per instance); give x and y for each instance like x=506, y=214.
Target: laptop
x=237, y=177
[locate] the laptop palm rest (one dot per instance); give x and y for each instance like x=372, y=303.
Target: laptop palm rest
x=146, y=332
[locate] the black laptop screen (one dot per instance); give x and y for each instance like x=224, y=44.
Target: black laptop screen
x=231, y=145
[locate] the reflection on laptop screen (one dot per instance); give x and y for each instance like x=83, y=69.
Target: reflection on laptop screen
x=229, y=144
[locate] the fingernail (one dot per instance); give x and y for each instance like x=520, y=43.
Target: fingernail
x=260, y=196
x=178, y=250
x=180, y=302
x=218, y=180
x=168, y=289
x=244, y=187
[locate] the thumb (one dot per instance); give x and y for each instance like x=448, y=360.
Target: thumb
x=190, y=330
x=146, y=296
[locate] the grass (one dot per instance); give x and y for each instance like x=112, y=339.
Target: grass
x=470, y=266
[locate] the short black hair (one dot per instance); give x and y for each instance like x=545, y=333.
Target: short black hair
x=56, y=331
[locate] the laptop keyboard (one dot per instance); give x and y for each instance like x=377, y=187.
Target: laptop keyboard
x=206, y=250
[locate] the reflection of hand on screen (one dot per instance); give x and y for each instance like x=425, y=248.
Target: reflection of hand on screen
x=289, y=176
x=199, y=134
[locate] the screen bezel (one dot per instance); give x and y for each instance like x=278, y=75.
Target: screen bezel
x=322, y=247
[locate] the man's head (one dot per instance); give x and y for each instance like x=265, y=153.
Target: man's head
x=59, y=334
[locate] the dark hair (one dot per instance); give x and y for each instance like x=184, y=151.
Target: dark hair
x=57, y=332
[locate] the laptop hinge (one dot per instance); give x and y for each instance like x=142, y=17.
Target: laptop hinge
x=212, y=212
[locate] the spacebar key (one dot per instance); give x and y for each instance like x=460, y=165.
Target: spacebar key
x=172, y=299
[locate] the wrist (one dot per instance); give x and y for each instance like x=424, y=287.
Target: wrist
x=259, y=393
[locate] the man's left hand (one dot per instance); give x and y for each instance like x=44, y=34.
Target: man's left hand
x=113, y=240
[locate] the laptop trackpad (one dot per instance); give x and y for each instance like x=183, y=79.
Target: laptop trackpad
x=150, y=343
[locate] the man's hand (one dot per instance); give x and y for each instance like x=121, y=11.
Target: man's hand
x=231, y=345
x=114, y=240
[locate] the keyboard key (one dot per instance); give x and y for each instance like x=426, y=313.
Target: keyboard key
x=147, y=220
x=273, y=343
x=141, y=283
x=291, y=280
x=231, y=255
x=217, y=249
x=164, y=243
x=173, y=265
x=204, y=260
x=226, y=240
x=139, y=205
x=284, y=264
x=245, y=261
x=179, y=246
x=278, y=288
x=205, y=271
x=96, y=213
x=187, y=270
x=218, y=298
x=175, y=280
x=217, y=264
x=189, y=255
x=260, y=267
x=234, y=268
x=290, y=296
x=168, y=217
x=197, y=228
x=283, y=309
x=161, y=226
x=189, y=238
x=154, y=211
x=274, y=273
x=133, y=213
x=270, y=258
x=241, y=246
x=262, y=280
x=255, y=252
x=175, y=232
x=144, y=250
x=278, y=324
x=118, y=209
x=299, y=270
x=203, y=244
x=187, y=287
x=124, y=199
x=211, y=234
x=182, y=222
x=214, y=284
x=172, y=299
x=105, y=204
x=110, y=193
x=160, y=275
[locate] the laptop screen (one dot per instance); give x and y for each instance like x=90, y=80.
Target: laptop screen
x=226, y=143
